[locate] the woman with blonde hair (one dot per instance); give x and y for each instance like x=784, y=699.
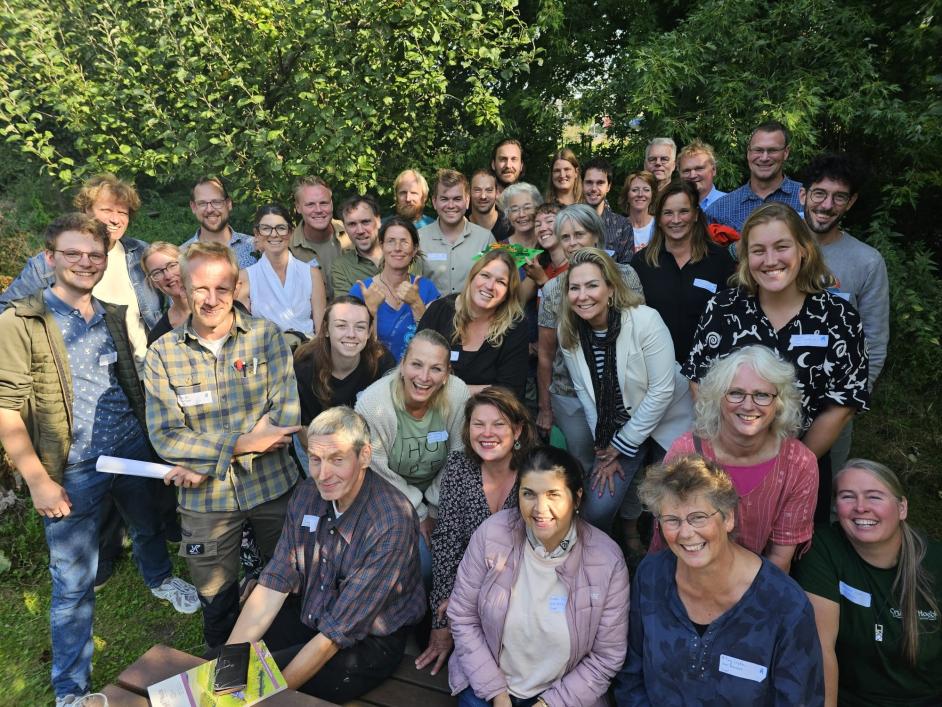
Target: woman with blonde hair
x=746, y=416
x=637, y=201
x=621, y=360
x=484, y=324
x=564, y=184
x=161, y=264
x=875, y=583
x=782, y=302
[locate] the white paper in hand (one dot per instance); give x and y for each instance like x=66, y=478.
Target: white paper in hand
x=132, y=467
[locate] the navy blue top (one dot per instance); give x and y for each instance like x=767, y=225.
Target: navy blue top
x=763, y=651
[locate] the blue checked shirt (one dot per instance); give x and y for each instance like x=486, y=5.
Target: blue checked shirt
x=241, y=244
x=734, y=208
x=198, y=405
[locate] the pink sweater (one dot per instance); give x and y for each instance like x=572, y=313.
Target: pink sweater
x=596, y=612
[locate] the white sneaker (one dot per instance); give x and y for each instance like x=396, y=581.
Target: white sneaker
x=94, y=699
x=179, y=593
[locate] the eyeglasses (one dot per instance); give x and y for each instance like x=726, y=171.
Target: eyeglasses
x=697, y=519
x=265, y=230
x=215, y=203
x=74, y=256
x=525, y=209
x=170, y=268
x=759, y=397
x=770, y=151
x=840, y=198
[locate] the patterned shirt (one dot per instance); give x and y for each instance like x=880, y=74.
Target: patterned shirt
x=824, y=341
x=241, y=244
x=102, y=416
x=734, y=208
x=358, y=574
x=762, y=651
x=199, y=404
x=462, y=508
x=619, y=235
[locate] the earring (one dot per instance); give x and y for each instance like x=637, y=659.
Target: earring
x=517, y=445
x=611, y=300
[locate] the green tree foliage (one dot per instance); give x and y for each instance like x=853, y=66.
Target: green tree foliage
x=260, y=91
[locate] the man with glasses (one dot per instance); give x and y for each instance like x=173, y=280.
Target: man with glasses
x=451, y=241
x=829, y=191
x=766, y=155
x=69, y=393
x=660, y=159
x=211, y=205
x=596, y=183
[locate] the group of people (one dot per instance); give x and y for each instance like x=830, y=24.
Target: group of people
x=366, y=403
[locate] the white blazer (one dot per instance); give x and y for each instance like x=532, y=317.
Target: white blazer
x=652, y=388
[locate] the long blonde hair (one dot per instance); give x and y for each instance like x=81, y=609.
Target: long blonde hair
x=508, y=312
x=622, y=297
x=439, y=401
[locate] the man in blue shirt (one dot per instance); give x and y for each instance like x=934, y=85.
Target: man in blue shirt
x=766, y=155
x=697, y=163
x=211, y=205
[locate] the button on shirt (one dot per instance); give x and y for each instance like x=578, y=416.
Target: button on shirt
x=358, y=574
x=619, y=236
x=711, y=198
x=448, y=264
x=734, y=208
x=199, y=404
x=103, y=419
x=241, y=244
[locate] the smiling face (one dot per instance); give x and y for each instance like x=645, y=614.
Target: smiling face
x=210, y=292
x=639, y=195
x=545, y=227
x=362, y=225
x=696, y=547
x=491, y=434
x=677, y=218
x=211, y=207
x=79, y=278
x=697, y=169
x=450, y=204
x=867, y=510
x=272, y=233
x=398, y=248
x=348, y=328
x=822, y=212
x=746, y=419
x=774, y=257
x=489, y=286
x=508, y=163
x=336, y=468
x=766, y=155
x=564, y=176
x=114, y=214
x=573, y=237
x=424, y=372
x=520, y=210
x=483, y=193
x=547, y=506
x=589, y=294
x=595, y=187
x=660, y=162
x=316, y=206
x=163, y=269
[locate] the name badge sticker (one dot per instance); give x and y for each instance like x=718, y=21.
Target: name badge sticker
x=454, y=356
x=705, y=285
x=438, y=436
x=188, y=400
x=857, y=596
x=557, y=604
x=813, y=340
x=108, y=358
x=437, y=257
x=310, y=522
x=611, y=253
x=742, y=668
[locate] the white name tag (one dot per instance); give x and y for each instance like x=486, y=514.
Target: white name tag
x=858, y=596
x=108, y=358
x=557, y=604
x=454, y=355
x=815, y=340
x=843, y=295
x=611, y=253
x=439, y=436
x=742, y=668
x=705, y=285
x=310, y=522
x=437, y=257
x=187, y=400
x=314, y=263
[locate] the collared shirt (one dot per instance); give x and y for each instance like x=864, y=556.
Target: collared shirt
x=619, y=236
x=448, y=264
x=764, y=650
x=824, y=341
x=714, y=195
x=102, y=415
x=349, y=267
x=323, y=254
x=242, y=245
x=199, y=404
x=358, y=574
x=734, y=208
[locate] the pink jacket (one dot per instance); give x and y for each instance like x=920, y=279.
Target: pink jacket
x=597, y=612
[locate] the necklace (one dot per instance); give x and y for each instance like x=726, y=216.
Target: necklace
x=391, y=292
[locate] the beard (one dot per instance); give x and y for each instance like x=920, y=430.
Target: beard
x=410, y=212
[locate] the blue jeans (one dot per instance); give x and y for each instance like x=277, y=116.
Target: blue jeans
x=467, y=698
x=73, y=559
x=600, y=510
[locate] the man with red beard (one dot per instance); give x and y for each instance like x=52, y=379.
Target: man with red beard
x=411, y=192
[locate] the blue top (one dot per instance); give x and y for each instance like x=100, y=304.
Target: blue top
x=241, y=244
x=396, y=327
x=711, y=198
x=763, y=651
x=103, y=419
x=734, y=208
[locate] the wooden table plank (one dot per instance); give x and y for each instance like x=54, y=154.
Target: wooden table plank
x=119, y=697
x=406, y=672
x=159, y=663
x=396, y=693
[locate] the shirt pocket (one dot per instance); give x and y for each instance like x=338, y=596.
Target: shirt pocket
x=195, y=397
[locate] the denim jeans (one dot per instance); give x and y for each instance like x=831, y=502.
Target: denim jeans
x=73, y=559
x=600, y=510
x=467, y=698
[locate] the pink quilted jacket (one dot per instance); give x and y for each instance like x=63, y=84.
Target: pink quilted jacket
x=597, y=612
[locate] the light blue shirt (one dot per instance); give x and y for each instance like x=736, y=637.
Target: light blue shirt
x=714, y=195
x=734, y=208
x=241, y=244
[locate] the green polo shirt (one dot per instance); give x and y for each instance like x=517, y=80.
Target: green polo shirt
x=325, y=253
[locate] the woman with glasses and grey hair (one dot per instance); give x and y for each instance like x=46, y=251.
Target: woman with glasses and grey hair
x=746, y=416
x=711, y=622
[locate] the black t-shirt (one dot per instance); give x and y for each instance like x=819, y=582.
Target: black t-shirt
x=680, y=295
x=343, y=392
x=506, y=366
x=160, y=328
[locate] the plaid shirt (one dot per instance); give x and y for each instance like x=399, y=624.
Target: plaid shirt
x=358, y=574
x=734, y=208
x=619, y=236
x=199, y=405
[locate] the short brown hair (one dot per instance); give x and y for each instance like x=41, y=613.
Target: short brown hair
x=513, y=410
x=76, y=221
x=207, y=251
x=449, y=178
x=210, y=179
x=686, y=477
x=123, y=192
